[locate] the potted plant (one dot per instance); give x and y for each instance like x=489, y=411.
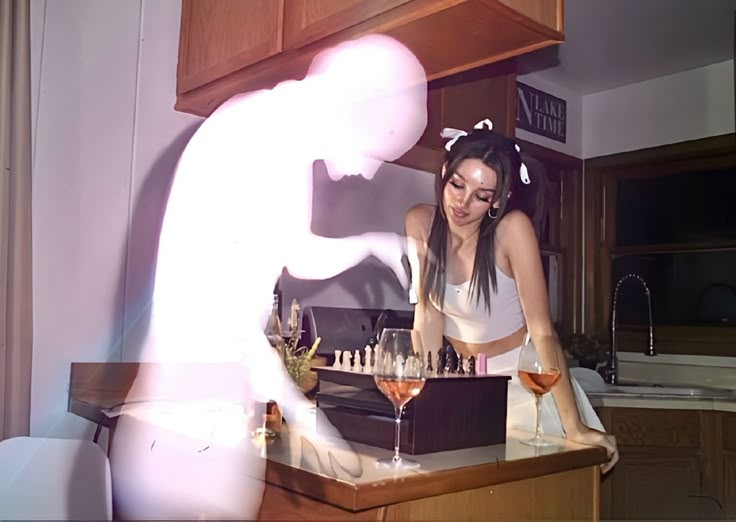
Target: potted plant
x=297, y=358
x=588, y=351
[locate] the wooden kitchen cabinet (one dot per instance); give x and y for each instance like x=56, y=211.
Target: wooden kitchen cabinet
x=219, y=37
x=460, y=101
x=306, y=21
x=728, y=458
x=674, y=464
x=232, y=46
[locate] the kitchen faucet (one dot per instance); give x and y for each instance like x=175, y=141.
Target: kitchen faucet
x=613, y=365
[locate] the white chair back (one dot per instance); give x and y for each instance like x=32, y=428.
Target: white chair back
x=60, y=479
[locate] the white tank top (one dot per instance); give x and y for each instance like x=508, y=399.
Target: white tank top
x=471, y=323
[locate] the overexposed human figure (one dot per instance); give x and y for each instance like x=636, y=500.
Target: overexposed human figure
x=240, y=211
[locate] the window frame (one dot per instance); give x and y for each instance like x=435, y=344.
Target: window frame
x=601, y=178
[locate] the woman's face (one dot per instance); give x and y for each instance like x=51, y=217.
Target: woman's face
x=469, y=192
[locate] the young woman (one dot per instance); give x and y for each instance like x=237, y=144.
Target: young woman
x=477, y=275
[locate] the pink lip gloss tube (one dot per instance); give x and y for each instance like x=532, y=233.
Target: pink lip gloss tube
x=481, y=370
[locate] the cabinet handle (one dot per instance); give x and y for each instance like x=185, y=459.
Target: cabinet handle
x=714, y=499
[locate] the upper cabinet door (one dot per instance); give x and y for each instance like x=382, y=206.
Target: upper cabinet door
x=219, y=37
x=234, y=46
x=306, y=21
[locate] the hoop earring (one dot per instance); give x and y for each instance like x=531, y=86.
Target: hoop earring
x=493, y=215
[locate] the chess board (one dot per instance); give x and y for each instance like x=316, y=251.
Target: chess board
x=451, y=412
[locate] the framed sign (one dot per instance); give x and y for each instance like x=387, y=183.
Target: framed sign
x=541, y=113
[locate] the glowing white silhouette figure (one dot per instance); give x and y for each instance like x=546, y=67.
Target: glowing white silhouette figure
x=240, y=211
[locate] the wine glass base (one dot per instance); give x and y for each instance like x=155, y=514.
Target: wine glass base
x=539, y=443
x=400, y=463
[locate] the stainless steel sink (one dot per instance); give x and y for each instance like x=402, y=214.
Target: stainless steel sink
x=665, y=390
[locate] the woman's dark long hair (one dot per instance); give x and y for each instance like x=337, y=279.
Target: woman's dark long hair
x=499, y=153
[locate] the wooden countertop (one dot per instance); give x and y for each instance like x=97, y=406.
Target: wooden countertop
x=440, y=473
x=98, y=386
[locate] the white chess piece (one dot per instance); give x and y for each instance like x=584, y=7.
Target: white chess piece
x=368, y=367
x=336, y=364
x=357, y=367
x=346, y=361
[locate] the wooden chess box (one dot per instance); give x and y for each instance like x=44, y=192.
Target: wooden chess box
x=451, y=412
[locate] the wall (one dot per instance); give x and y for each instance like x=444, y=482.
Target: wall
x=353, y=206
x=104, y=130
x=573, y=143
x=681, y=107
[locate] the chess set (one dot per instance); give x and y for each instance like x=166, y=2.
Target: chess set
x=448, y=362
x=457, y=408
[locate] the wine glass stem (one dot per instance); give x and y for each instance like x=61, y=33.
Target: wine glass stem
x=397, y=436
x=538, y=429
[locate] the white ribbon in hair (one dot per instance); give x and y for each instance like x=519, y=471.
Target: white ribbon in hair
x=523, y=172
x=455, y=134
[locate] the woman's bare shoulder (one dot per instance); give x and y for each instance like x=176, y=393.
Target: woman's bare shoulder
x=419, y=218
x=515, y=233
x=515, y=222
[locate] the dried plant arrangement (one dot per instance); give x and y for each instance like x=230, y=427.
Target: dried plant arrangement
x=297, y=359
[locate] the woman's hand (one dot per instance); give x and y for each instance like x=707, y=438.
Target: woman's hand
x=585, y=435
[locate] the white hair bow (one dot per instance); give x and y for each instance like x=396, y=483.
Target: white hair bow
x=455, y=134
x=523, y=172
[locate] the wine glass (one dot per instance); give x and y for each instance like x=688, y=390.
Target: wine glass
x=538, y=374
x=399, y=374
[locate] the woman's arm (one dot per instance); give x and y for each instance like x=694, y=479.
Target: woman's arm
x=518, y=241
x=427, y=319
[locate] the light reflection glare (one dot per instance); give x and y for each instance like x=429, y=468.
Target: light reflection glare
x=240, y=211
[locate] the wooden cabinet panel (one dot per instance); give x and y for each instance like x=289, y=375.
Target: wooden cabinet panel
x=232, y=46
x=460, y=102
x=729, y=433
x=571, y=495
x=546, y=12
x=306, y=21
x=221, y=36
x=729, y=486
x=673, y=465
x=666, y=428
x=458, y=38
x=663, y=488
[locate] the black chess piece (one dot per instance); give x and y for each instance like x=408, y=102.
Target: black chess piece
x=471, y=365
x=450, y=361
x=429, y=363
x=441, y=361
x=460, y=368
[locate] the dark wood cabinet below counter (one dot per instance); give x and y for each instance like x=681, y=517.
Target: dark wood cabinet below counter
x=675, y=464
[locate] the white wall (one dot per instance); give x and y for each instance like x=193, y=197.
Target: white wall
x=353, y=206
x=103, y=83
x=681, y=107
x=573, y=145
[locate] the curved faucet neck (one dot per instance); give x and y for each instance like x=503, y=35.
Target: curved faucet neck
x=650, y=351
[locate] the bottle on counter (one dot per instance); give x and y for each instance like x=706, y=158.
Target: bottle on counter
x=273, y=326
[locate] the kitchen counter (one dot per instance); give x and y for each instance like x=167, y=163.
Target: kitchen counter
x=682, y=397
x=440, y=473
x=510, y=481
